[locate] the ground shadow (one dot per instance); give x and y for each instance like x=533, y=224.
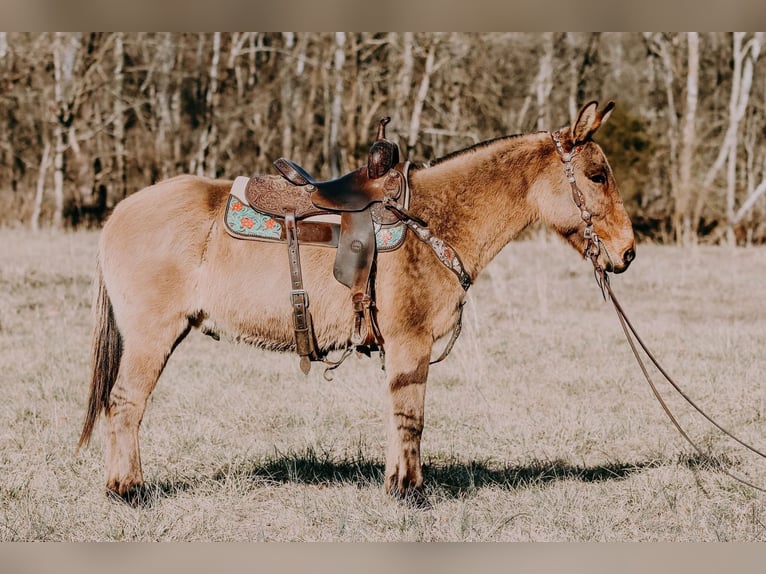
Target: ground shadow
x=453, y=478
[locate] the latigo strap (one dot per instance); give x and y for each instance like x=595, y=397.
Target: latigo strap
x=304, y=331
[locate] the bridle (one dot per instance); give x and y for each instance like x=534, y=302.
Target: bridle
x=593, y=244
x=593, y=247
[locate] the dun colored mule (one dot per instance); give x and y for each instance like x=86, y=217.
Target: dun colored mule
x=163, y=271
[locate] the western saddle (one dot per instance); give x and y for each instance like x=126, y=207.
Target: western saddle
x=358, y=198
x=366, y=199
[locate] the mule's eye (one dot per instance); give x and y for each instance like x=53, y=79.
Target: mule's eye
x=598, y=178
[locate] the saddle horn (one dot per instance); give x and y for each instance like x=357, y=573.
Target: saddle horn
x=384, y=154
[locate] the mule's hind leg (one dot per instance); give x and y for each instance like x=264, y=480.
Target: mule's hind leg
x=143, y=359
x=407, y=367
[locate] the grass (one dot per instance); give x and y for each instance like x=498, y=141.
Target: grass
x=539, y=426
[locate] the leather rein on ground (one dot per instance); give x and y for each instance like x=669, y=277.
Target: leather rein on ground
x=593, y=247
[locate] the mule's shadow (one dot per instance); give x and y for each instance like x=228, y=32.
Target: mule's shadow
x=452, y=478
x=443, y=479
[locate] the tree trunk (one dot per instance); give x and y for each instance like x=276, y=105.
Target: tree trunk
x=574, y=76
x=545, y=83
x=286, y=98
x=120, y=154
x=238, y=41
x=83, y=192
x=65, y=47
x=540, y=90
x=255, y=42
x=744, y=59
x=165, y=150
x=337, y=101
x=175, y=106
x=207, y=155
x=417, y=110
x=402, y=92
x=351, y=99
x=58, y=176
x=41, y=176
x=662, y=53
x=748, y=55
x=682, y=219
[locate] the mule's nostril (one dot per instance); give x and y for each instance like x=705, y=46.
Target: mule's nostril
x=629, y=255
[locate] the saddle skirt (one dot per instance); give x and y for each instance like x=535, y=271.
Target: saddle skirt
x=315, y=227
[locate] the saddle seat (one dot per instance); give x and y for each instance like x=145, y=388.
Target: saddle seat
x=355, y=191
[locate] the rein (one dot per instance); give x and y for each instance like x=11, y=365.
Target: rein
x=592, y=250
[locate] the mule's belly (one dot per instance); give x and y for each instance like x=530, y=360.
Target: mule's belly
x=244, y=289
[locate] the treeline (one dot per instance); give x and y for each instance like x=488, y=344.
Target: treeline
x=88, y=118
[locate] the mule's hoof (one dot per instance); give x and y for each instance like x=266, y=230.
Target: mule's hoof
x=414, y=498
x=403, y=484
x=407, y=493
x=417, y=499
x=134, y=495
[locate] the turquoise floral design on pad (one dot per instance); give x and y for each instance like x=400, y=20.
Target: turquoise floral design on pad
x=389, y=236
x=244, y=219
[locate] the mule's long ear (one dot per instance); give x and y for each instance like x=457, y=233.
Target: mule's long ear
x=604, y=114
x=589, y=120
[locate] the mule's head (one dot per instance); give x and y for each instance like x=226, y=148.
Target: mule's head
x=597, y=191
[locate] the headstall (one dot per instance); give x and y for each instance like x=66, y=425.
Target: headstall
x=592, y=241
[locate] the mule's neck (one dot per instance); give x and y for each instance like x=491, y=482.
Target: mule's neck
x=478, y=200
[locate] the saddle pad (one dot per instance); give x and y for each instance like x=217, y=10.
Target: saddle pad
x=244, y=222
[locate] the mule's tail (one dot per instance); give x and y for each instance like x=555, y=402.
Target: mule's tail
x=106, y=351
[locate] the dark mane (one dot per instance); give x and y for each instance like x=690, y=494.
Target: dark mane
x=460, y=152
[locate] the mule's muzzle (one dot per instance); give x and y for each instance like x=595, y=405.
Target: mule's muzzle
x=627, y=257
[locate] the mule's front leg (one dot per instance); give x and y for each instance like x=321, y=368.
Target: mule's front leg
x=407, y=366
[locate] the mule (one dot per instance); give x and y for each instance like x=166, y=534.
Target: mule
x=162, y=272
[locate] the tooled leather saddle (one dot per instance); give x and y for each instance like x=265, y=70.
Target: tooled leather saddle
x=298, y=209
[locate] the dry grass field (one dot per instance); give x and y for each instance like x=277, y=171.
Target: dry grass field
x=539, y=426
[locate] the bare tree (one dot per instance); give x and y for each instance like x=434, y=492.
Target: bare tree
x=121, y=110
x=682, y=218
x=745, y=56
x=286, y=99
x=166, y=101
x=118, y=124
x=34, y=222
x=417, y=108
x=207, y=152
x=401, y=58
x=539, y=89
x=337, y=100
x=544, y=82
x=65, y=49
